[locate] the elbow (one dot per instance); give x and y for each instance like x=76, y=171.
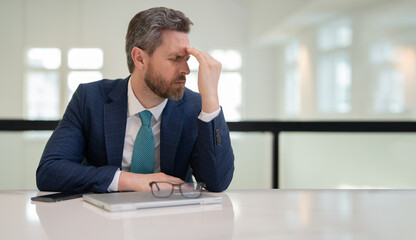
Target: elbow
x=221, y=184
x=216, y=189
x=221, y=187
x=43, y=181
x=40, y=183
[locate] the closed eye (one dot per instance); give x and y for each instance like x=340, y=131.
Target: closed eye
x=176, y=59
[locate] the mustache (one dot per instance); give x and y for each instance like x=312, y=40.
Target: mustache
x=181, y=78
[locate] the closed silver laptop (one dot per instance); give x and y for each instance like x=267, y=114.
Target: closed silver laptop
x=123, y=201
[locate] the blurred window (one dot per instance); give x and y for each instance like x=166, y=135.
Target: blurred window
x=44, y=91
x=85, y=58
x=44, y=58
x=292, y=79
x=42, y=95
x=86, y=62
x=334, y=35
x=389, y=96
x=334, y=67
x=42, y=83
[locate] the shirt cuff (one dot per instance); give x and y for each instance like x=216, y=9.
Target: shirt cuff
x=114, y=184
x=207, y=117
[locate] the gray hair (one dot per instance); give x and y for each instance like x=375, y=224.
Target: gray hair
x=146, y=28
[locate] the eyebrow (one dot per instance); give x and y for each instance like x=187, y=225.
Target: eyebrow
x=178, y=55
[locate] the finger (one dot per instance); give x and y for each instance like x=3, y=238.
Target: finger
x=199, y=55
x=194, y=52
x=203, y=58
x=188, y=187
x=171, y=179
x=175, y=180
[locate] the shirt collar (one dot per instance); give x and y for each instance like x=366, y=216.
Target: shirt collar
x=134, y=105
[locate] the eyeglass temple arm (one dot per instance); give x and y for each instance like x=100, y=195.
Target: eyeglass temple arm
x=155, y=183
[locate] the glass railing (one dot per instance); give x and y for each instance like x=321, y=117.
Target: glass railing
x=288, y=155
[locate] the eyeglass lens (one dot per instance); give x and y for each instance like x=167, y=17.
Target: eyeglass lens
x=162, y=189
x=191, y=190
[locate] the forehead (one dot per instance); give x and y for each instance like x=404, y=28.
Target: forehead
x=174, y=42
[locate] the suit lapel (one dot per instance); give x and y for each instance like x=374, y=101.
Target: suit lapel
x=115, y=117
x=170, y=133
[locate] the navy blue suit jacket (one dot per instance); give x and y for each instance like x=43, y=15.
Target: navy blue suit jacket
x=86, y=148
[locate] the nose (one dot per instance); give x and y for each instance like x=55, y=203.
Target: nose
x=185, y=68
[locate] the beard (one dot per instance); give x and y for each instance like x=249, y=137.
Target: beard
x=164, y=88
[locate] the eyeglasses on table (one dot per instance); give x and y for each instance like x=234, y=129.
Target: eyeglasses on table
x=166, y=189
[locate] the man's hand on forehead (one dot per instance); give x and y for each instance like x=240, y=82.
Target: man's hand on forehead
x=208, y=77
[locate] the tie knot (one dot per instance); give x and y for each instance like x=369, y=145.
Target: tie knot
x=145, y=117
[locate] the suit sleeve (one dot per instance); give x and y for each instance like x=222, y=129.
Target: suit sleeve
x=60, y=168
x=213, y=160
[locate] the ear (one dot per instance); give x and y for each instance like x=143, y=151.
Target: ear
x=139, y=57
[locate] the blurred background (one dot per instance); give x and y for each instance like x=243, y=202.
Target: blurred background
x=299, y=60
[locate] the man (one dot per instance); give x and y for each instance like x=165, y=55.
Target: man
x=96, y=145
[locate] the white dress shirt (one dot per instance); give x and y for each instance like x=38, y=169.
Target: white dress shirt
x=132, y=128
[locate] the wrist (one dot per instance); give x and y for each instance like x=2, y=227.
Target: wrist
x=137, y=182
x=210, y=104
x=126, y=182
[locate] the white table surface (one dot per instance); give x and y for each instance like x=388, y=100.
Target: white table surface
x=244, y=214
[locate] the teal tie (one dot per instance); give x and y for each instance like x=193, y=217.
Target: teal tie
x=143, y=156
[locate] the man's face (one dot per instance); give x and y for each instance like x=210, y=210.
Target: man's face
x=168, y=67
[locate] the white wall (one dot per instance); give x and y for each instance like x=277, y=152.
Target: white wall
x=11, y=48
